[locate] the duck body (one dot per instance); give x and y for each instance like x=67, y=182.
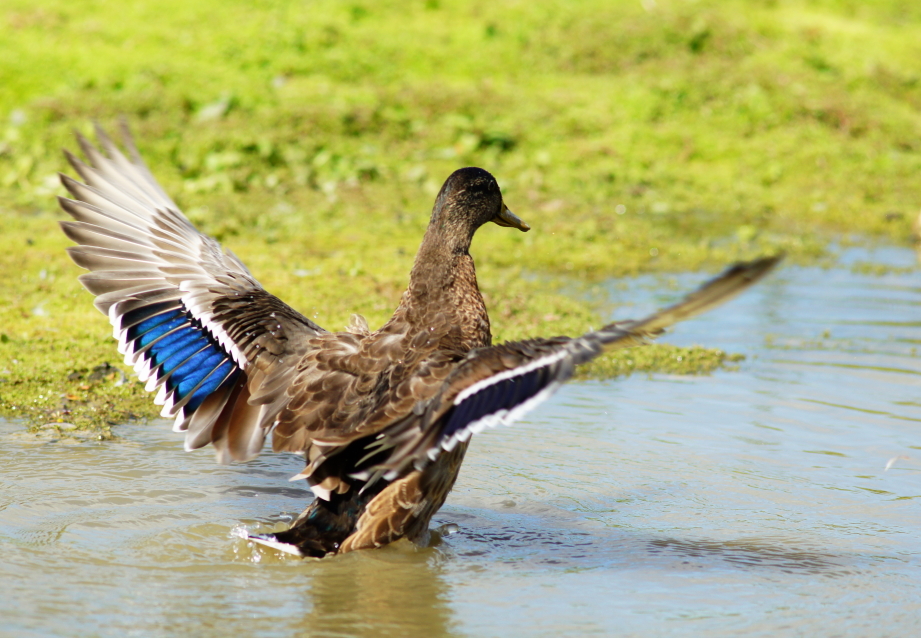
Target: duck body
x=378, y=377
x=383, y=418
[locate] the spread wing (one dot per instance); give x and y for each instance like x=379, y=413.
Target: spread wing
x=497, y=385
x=190, y=318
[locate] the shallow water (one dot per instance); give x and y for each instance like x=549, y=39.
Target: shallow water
x=755, y=502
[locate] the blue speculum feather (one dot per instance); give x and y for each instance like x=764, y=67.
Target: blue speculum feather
x=504, y=395
x=183, y=345
x=182, y=348
x=138, y=315
x=196, y=368
x=212, y=383
x=155, y=327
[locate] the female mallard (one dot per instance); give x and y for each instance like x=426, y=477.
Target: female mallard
x=383, y=418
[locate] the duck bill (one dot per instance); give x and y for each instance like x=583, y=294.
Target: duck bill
x=510, y=219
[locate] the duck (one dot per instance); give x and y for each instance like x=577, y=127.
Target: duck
x=383, y=418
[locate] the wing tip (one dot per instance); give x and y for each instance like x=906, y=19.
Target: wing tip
x=757, y=268
x=268, y=540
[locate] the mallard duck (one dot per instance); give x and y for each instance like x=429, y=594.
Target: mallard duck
x=384, y=417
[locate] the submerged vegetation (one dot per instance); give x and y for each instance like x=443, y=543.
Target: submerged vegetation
x=311, y=137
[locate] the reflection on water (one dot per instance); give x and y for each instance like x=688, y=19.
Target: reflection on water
x=752, y=553
x=754, y=502
x=390, y=593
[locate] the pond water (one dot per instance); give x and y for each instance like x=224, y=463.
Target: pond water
x=754, y=502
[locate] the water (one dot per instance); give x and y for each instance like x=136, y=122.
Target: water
x=754, y=502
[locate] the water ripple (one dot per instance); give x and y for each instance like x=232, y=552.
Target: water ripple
x=779, y=499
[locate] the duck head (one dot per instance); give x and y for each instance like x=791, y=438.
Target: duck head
x=470, y=198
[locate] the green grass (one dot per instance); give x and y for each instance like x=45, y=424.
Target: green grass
x=311, y=138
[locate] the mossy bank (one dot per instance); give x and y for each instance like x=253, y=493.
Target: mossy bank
x=311, y=138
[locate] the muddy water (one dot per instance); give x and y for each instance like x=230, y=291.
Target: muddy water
x=754, y=502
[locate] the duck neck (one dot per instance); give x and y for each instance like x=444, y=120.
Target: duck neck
x=443, y=278
x=439, y=255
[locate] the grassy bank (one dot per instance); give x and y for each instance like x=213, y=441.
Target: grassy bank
x=310, y=137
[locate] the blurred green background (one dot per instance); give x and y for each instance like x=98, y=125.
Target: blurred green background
x=311, y=137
